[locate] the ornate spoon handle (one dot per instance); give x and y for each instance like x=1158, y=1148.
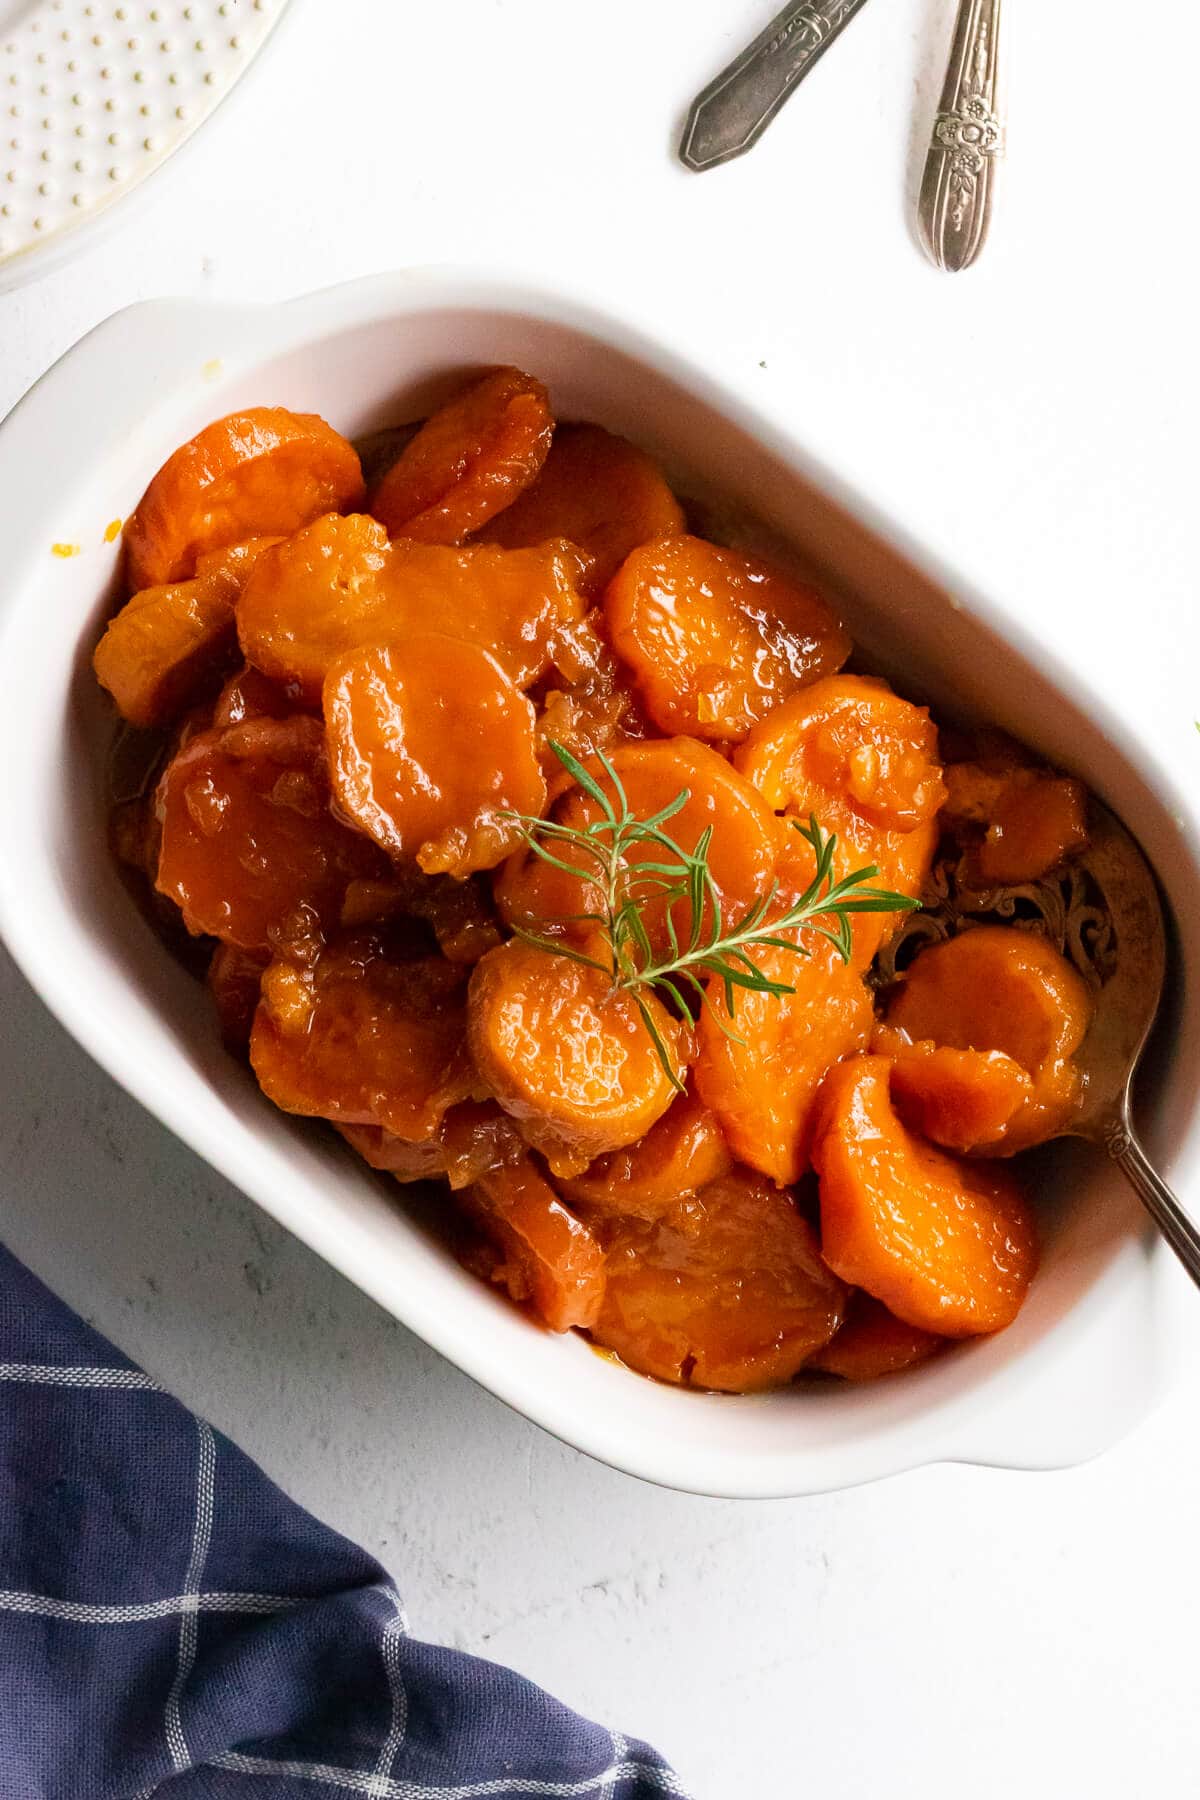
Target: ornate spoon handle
x=1177, y=1226
x=968, y=139
x=734, y=110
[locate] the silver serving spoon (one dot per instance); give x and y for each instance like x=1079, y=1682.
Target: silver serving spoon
x=1126, y=1006
x=1102, y=911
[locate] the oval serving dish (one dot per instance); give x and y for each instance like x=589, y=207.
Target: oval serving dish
x=1096, y=1340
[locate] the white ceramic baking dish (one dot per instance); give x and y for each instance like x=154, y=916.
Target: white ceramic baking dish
x=1093, y=1347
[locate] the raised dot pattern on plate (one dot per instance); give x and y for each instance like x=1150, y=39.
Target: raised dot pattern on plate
x=95, y=94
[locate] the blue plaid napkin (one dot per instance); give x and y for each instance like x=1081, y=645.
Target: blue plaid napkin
x=171, y=1623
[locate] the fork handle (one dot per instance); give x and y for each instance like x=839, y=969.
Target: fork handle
x=1177, y=1226
x=967, y=141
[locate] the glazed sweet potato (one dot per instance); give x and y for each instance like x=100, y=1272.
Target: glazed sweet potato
x=995, y=988
x=168, y=643
x=871, y=1342
x=760, y=1069
x=602, y=493
x=360, y=1038
x=682, y=1153
x=340, y=586
x=717, y=639
x=248, y=838
x=745, y=842
x=472, y=1138
x=258, y=473
x=430, y=745
x=164, y=646
x=546, y=1257
x=249, y=694
x=948, y=1246
x=470, y=459
x=567, y=1056
x=963, y=1099
x=1035, y=826
x=738, y=1303
x=848, y=738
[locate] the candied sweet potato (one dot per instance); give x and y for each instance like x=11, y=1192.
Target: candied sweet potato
x=742, y=853
x=602, y=493
x=565, y=1054
x=738, y=1303
x=168, y=643
x=430, y=744
x=159, y=651
x=760, y=1070
x=871, y=1342
x=258, y=473
x=716, y=639
x=1034, y=827
x=598, y=708
x=997, y=988
x=472, y=1138
x=546, y=1257
x=235, y=983
x=948, y=1246
x=362, y=1039
x=470, y=459
x=340, y=586
x=962, y=1099
x=682, y=1153
x=848, y=737
x=248, y=837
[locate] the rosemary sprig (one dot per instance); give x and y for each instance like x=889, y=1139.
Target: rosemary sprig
x=714, y=950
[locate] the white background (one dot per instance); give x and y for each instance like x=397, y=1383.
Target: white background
x=955, y=1632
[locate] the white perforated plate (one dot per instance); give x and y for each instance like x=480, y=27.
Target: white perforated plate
x=95, y=94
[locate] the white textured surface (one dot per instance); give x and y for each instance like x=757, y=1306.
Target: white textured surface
x=95, y=94
x=954, y=1632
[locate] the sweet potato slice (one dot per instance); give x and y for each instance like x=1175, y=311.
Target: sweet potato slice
x=164, y=645
x=760, y=1069
x=598, y=709
x=340, y=586
x=168, y=643
x=962, y=1099
x=544, y=1257
x=848, y=738
x=258, y=473
x=469, y=460
x=567, y=1056
x=473, y=1137
x=948, y=1246
x=717, y=639
x=359, y=1038
x=248, y=838
x=1035, y=827
x=871, y=1342
x=235, y=983
x=602, y=493
x=682, y=1153
x=996, y=988
x=745, y=841
x=738, y=1302
x=429, y=746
